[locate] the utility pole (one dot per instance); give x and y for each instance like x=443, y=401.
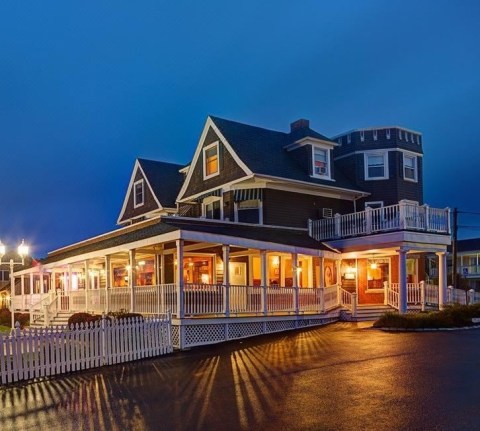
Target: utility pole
x=454, y=248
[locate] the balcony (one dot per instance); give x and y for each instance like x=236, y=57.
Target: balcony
x=402, y=216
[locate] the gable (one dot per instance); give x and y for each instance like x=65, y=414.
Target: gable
x=150, y=203
x=230, y=167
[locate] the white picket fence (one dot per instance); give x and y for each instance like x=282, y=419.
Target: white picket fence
x=51, y=351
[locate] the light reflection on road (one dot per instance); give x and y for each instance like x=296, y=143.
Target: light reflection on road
x=340, y=377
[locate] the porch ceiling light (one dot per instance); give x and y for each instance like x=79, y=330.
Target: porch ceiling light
x=373, y=265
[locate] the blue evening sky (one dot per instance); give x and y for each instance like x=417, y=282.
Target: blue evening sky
x=86, y=87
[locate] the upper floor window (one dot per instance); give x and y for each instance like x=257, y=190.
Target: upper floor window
x=376, y=166
x=138, y=193
x=409, y=167
x=210, y=161
x=321, y=162
x=388, y=133
x=212, y=208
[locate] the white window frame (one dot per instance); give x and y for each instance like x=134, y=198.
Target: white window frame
x=205, y=149
x=415, y=167
x=135, y=203
x=328, y=175
x=388, y=133
x=375, y=135
x=383, y=154
x=259, y=207
x=362, y=136
x=210, y=200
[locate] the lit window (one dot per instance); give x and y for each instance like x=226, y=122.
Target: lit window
x=138, y=194
x=210, y=155
x=376, y=167
x=320, y=162
x=409, y=167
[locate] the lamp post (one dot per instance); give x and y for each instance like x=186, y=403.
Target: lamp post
x=22, y=251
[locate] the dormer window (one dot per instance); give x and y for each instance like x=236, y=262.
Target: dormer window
x=138, y=193
x=210, y=161
x=321, y=162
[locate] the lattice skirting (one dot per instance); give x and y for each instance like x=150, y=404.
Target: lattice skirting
x=198, y=334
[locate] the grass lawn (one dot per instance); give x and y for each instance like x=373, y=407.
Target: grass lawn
x=4, y=329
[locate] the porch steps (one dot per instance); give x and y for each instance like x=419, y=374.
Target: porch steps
x=59, y=320
x=368, y=312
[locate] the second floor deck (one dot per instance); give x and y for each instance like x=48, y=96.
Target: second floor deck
x=402, y=216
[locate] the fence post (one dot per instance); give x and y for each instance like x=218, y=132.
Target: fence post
x=321, y=291
x=368, y=220
x=427, y=217
x=46, y=315
x=103, y=348
x=337, y=225
x=449, y=294
x=422, y=294
x=354, y=304
x=402, y=208
x=471, y=296
x=385, y=292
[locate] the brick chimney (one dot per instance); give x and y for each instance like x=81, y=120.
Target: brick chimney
x=299, y=124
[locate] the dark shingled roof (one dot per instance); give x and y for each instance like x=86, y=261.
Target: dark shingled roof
x=263, y=151
x=163, y=225
x=165, y=180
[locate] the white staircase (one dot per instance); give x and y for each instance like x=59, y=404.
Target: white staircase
x=61, y=318
x=368, y=312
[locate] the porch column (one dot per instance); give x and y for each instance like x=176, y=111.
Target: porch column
x=179, y=279
x=263, y=274
x=22, y=286
x=295, y=269
x=31, y=286
x=131, y=279
x=402, y=281
x=442, y=279
x=87, y=284
x=226, y=278
x=42, y=288
x=162, y=267
x=108, y=281
x=321, y=284
x=12, y=293
x=68, y=286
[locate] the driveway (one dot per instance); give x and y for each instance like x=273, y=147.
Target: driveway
x=340, y=377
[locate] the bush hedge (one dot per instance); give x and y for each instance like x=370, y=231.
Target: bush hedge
x=120, y=315
x=6, y=318
x=453, y=316
x=78, y=318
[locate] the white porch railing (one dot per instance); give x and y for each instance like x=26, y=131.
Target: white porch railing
x=198, y=300
x=394, y=217
x=431, y=294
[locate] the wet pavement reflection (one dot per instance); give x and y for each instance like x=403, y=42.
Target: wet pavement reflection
x=340, y=377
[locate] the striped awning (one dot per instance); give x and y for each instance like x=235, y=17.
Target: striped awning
x=247, y=194
x=217, y=192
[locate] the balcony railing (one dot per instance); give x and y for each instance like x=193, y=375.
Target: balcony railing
x=402, y=216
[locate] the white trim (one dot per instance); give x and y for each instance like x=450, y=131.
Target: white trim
x=310, y=141
x=204, y=150
x=135, y=184
x=209, y=200
x=373, y=202
x=400, y=150
x=260, y=213
x=209, y=123
x=136, y=166
x=377, y=128
x=382, y=153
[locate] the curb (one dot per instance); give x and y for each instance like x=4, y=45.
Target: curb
x=462, y=328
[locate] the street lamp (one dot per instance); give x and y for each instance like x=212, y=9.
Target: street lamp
x=22, y=251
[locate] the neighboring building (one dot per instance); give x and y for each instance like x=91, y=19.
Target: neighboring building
x=278, y=227
x=468, y=263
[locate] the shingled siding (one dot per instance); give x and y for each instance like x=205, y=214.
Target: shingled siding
x=149, y=201
x=281, y=208
x=228, y=206
x=229, y=169
x=389, y=191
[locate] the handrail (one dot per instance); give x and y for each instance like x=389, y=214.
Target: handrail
x=403, y=215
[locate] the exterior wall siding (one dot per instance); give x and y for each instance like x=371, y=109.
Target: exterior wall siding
x=149, y=201
x=284, y=208
x=229, y=169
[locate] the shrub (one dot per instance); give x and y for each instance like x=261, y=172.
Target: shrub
x=23, y=319
x=120, y=315
x=78, y=318
x=452, y=316
x=5, y=317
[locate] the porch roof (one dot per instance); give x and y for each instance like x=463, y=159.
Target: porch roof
x=163, y=225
